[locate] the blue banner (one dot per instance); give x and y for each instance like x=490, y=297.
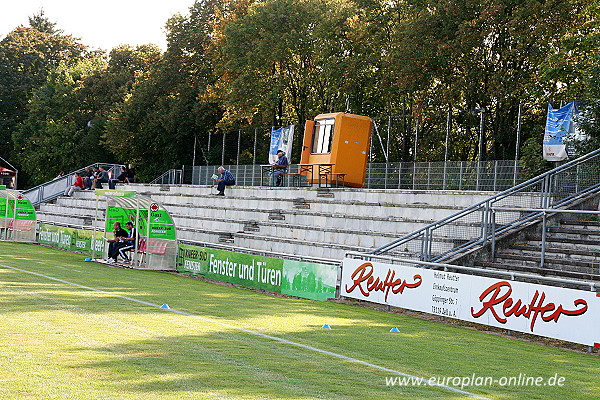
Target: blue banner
x=559, y=124
x=281, y=139
x=275, y=143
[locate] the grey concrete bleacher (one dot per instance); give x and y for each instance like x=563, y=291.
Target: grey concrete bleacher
x=572, y=250
x=300, y=221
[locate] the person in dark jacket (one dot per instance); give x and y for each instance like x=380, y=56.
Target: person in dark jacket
x=226, y=179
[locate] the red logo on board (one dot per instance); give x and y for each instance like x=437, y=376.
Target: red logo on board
x=498, y=301
x=154, y=207
x=365, y=281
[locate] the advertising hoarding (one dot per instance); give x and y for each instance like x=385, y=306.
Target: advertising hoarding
x=560, y=313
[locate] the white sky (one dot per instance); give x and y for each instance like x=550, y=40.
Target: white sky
x=100, y=23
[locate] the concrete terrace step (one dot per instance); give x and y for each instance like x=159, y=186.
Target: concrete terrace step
x=269, y=243
x=559, y=263
x=573, y=231
x=561, y=239
x=280, y=229
x=321, y=220
x=564, y=251
x=387, y=210
x=546, y=271
x=459, y=199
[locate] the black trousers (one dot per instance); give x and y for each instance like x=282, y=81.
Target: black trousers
x=221, y=185
x=113, y=249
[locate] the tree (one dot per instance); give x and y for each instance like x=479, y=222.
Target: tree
x=481, y=55
x=55, y=136
x=282, y=60
x=26, y=57
x=42, y=23
x=574, y=69
x=154, y=128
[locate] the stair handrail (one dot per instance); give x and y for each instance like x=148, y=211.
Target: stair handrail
x=173, y=177
x=52, y=189
x=485, y=206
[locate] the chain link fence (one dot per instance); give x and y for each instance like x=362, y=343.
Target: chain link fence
x=453, y=175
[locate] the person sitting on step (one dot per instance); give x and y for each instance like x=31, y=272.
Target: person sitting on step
x=77, y=185
x=226, y=179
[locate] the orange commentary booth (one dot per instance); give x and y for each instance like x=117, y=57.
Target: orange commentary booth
x=335, y=149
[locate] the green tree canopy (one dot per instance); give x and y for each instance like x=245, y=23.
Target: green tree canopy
x=26, y=58
x=283, y=60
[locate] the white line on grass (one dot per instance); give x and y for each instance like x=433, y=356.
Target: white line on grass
x=423, y=381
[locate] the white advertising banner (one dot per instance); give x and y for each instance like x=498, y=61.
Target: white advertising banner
x=564, y=314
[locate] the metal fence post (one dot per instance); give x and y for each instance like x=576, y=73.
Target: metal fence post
x=495, y=174
x=543, y=252
x=254, y=151
x=460, y=175
x=493, y=249
x=223, y=150
x=237, y=157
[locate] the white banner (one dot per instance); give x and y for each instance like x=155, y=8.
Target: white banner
x=281, y=139
x=564, y=314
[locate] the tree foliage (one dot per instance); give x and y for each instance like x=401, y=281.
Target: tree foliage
x=57, y=135
x=27, y=56
x=283, y=60
x=155, y=127
x=233, y=64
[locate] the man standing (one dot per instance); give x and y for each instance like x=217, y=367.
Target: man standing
x=226, y=179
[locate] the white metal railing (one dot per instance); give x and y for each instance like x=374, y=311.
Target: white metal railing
x=477, y=224
x=171, y=177
x=50, y=190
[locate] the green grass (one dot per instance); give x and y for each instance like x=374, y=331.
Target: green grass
x=65, y=342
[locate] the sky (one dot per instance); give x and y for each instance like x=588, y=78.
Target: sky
x=100, y=24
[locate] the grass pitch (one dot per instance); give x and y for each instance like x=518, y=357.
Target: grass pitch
x=77, y=330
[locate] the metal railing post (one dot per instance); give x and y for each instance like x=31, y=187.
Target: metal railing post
x=495, y=174
x=543, y=252
x=493, y=249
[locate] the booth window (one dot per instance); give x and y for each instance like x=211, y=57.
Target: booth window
x=323, y=136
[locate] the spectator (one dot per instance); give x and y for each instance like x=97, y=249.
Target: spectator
x=94, y=176
x=88, y=178
x=226, y=179
x=123, y=177
x=280, y=168
x=129, y=242
x=130, y=174
x=77, y=185
x=101, y=177
x=60, y=175
x=115, y=244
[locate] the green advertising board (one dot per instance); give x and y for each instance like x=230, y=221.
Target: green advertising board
x=309, y=280
x=71, y=239
x=24, y=209
x=301, y=279
x=157, y=225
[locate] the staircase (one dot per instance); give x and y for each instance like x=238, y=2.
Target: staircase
x=571, y=249
x=547, y=226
